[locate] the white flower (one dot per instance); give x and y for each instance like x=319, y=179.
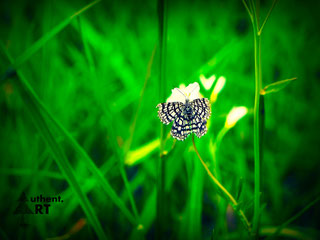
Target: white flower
x=235, y=115
x=182, y=93
x=207, y=82
x=217, y=88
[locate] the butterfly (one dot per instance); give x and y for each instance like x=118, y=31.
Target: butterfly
x=188, y=117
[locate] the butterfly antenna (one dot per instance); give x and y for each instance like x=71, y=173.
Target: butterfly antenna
x=182, y=93
x=193, y=89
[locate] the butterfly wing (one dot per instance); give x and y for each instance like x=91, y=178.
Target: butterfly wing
x=201, y=113
x=169, y=111
x=181, y=127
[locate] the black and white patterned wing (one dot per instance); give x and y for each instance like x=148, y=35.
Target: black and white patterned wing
x=201, y=113
x=201, y=108
x=181, y=127
x=169, y=111
x=199, y=127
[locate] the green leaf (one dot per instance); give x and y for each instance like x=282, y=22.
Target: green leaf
x=277, y=86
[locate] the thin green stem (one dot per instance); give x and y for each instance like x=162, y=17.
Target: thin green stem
x=36, y=173
x=285, y=233
x=230, y=198
x=215, y=147
x=256, y=134
x=268, y=15
x=131, y=198
x=160, y=222
x=134, y=121
x=293, y=218
x=248, y=10
x=132, y=130
x=255, y=17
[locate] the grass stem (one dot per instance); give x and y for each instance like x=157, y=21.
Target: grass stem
x=248, y=10
x=160, y=221
x=293, y=218
x=256, y=127
x=267, y=17
x=230, y=198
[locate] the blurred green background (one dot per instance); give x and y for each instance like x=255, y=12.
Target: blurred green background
x=78, y=119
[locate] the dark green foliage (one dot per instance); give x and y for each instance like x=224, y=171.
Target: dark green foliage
x=78, y=96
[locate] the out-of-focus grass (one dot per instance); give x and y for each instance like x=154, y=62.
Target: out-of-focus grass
x=88, y=76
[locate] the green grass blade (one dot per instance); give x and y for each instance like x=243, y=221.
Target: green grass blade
x=162, y=17
x=256, y=120
x=93, y=168
x=90, y=164
x=248, y=10
x=191, y=226
x=239, y=191
x=106, y=185
x=277, y=86
x=23, y=171
x=268, y=15
x=63, y=164
x=148, y=215
x=293, y=218
x=93, y=74
x=136, y=156
x=38, y=44
x=131, y=198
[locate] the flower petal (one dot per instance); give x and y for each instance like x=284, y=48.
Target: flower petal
x=193, y=91
x=182, y=93
x=177, y=95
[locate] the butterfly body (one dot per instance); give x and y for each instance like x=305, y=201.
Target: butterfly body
x=187, y=117
x=188, y=110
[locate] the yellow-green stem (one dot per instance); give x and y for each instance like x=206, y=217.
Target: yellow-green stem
x=231, y=199
x=256, y=134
